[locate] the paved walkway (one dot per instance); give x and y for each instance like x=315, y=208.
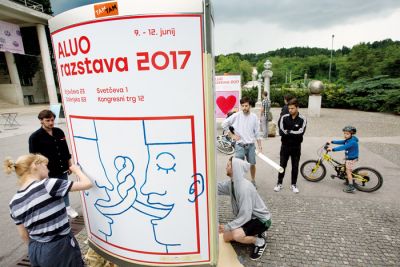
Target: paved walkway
x=320, y=226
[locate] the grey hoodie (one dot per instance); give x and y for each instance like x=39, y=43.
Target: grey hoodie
x=247, y=203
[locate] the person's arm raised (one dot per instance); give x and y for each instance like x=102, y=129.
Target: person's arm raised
x=83, y=182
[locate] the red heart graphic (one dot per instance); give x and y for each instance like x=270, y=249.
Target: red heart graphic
x=226, y=104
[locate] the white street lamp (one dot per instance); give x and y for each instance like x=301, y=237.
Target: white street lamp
x=267, y=74
x=259, y=87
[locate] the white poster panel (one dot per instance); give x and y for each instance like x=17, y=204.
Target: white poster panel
x=10, y=38
x=133, y=93
x=227, y=96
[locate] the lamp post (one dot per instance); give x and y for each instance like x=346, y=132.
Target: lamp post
x=254, y=75
x=267, y=74
x=330, y=63
x=259, y=87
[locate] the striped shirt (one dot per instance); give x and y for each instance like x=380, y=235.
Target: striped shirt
x=266, y=105
x=40, y=208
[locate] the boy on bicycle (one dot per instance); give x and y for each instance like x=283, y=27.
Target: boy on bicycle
x=350, y=146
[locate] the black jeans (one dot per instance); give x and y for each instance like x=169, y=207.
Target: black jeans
x=294, y=153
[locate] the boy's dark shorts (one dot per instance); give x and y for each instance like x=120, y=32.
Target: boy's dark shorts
x=255, y=227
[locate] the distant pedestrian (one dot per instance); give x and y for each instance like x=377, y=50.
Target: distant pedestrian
x=50, y=142
x=252, y=218
x=246, y=127
x=285, y=109
x=39, y=211
x=264, y=114
x=292, y=127
x=350, y=146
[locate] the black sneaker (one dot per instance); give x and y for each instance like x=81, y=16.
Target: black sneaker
x=349, y=189
x=258, y=251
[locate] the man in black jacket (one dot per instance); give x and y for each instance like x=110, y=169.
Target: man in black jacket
x=291, y=128
x=50, y=142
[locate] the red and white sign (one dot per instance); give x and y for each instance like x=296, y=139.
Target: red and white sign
x=133, y=92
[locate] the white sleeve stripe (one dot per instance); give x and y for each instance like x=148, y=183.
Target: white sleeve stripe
x=281, y=123
x=50, y=184
x=301, y=130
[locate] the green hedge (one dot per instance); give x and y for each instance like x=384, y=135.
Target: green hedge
x=380, y=93
x=252, y=94
x=300, y=93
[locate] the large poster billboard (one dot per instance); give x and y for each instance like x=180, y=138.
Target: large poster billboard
x=135, y=93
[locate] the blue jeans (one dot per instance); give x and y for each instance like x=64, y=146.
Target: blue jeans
x=246, y=152
x=264, y=126
x=64, y=176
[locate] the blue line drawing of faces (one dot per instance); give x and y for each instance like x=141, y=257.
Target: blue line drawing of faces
x=171, y=183
x=125, y=195
x=87, y=140
x=114, y=195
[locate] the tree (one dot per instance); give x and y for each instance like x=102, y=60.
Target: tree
x=233, y=64
x=392, y=68
x=360, y=63
x=363, y=62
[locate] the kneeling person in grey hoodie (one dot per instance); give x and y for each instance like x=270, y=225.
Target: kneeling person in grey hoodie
x=252, y=218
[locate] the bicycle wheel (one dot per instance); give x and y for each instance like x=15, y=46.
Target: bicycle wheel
x=367, y=179
x=225, y=147
x=313, y=170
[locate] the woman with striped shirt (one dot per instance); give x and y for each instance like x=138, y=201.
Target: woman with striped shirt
x=39, y=211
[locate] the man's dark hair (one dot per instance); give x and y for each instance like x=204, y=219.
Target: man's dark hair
x=46, y=114
x=294, y=102
x=244, y=99
x=287, y=97
x=265, y=93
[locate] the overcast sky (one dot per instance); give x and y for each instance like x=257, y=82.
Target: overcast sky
x=258, y=26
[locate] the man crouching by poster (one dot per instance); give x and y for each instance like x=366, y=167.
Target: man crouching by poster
x=252, y=218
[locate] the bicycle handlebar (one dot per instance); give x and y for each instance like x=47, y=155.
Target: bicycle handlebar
x=326, y=146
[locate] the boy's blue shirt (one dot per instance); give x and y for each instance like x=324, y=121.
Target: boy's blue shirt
x=350, y=146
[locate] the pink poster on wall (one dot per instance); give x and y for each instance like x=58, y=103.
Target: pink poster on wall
x=226, y=101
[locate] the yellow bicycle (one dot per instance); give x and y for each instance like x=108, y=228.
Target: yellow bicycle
x=365, y=179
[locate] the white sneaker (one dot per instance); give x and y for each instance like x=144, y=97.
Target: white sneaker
x=71, y=212
x=278, y=188
x=295, y=189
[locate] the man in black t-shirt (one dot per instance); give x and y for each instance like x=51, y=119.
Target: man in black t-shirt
x=50, y=142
